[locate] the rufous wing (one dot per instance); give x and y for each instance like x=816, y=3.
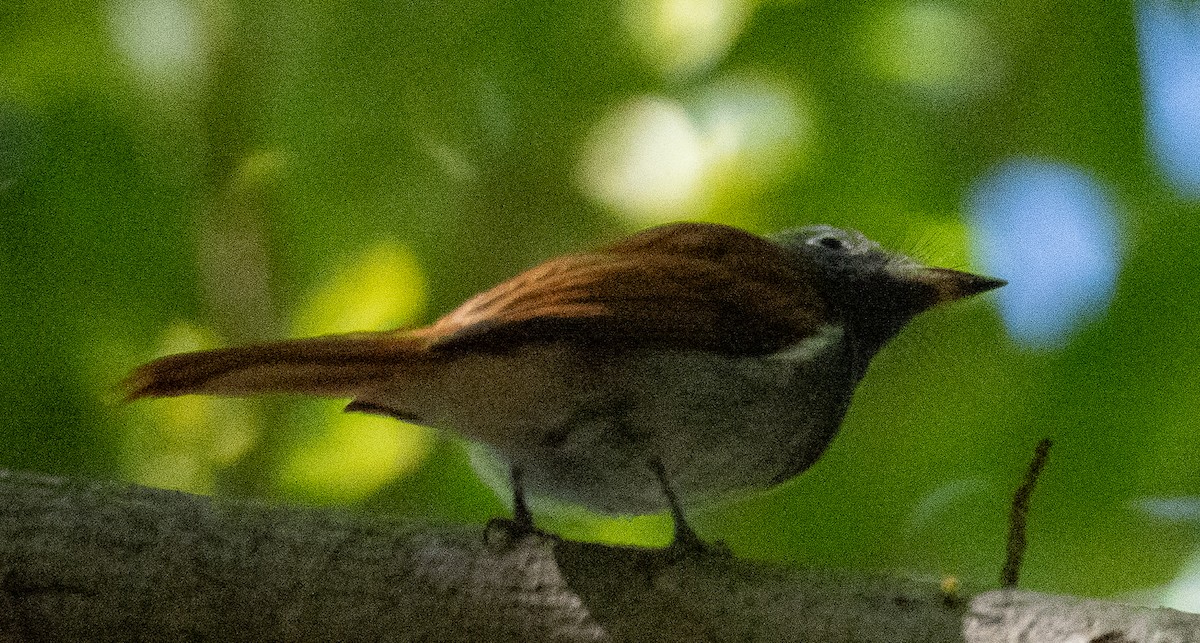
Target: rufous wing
x=688, y=286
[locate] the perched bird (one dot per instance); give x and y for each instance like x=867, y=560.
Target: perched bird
x=684, y=363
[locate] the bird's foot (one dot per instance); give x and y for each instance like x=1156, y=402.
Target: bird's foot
x=502, y=534
x=688, y=545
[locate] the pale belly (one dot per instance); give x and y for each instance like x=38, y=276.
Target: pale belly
x=587, y=434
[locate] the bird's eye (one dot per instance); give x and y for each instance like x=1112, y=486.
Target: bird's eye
x=833, y=243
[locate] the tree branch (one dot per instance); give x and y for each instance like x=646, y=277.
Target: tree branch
x=98, y=560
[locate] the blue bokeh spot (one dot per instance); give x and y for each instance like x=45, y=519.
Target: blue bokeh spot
x=1051, y=230
x=1169, y=48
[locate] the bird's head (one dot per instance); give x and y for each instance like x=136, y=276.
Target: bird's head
x=874, y=290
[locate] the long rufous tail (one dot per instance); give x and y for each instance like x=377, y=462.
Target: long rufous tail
x=329, y=366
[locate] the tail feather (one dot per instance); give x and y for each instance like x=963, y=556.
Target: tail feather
x=330, y=366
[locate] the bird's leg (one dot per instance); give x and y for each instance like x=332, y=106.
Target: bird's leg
x=521, y=524
x=685, y=541
x=522, y=517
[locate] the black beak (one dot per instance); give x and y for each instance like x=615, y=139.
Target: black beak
x=951, y=285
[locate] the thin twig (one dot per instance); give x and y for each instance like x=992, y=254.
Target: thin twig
x=1017, y=516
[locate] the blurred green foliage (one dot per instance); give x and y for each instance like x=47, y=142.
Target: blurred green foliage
x=176, y=174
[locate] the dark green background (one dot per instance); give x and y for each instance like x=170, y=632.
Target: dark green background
x=301, y=150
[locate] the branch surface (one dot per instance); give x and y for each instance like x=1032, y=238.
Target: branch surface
x=86, y=560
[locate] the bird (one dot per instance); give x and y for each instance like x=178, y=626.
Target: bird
x=682, y=365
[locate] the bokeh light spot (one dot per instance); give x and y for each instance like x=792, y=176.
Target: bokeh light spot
x=943, y=500
x=354, y=456
x=680, y=38
x=755, y=130
x=654, y=159
x=1052, y=231
x=382, y=289
x=165, y=41
x=645, y=158
x=939, y=50
x=1169, y=48
x=1174, y=509
x=1183, y=591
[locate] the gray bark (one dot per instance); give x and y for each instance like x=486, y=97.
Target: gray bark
x=105, y=561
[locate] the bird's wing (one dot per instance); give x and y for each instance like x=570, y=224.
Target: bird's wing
x=687, y=286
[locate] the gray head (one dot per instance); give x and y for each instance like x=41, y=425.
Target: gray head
x=875, y=291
